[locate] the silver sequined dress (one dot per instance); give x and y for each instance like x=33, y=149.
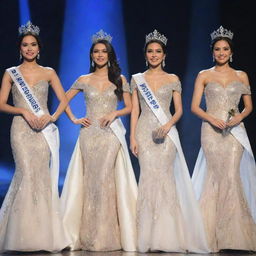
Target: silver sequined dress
x=227, y=219
x=159, y=218
x=99, y=230
x=29, y=221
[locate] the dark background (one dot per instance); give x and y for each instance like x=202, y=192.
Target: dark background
x=187, y=25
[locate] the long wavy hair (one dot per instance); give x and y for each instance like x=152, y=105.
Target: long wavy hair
x=114, y=71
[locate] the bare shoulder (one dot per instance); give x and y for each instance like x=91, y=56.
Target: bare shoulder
x=124, y=81
x=242, y=76
x=172, y=78
x=84, y=78
x=205, y=73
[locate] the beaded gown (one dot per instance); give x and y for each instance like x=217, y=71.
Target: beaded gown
x=161, y=225
x=97, y=213
x=227, y=217
x=29, y=220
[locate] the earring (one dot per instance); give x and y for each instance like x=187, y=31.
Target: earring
x=231, y=58
x=92, y=63
x=38, y=56
x=213, y=59
x=163, y=63
x=146, y=63
x=20, y=56
x=109, y=64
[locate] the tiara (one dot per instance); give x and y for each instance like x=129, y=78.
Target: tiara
x=222, y=32
x=101, y=35
x=155, y=35
x=29, y=27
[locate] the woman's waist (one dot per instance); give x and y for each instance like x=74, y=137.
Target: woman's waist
x=223, y=114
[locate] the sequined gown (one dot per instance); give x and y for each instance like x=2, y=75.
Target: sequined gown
x=159, y=218
x=227, y=219
x=99, y=227
x=29, y=221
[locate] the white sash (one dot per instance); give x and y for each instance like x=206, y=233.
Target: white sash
x=126, y=187
x=50, y=132
x=196, y=238
x=247, y=169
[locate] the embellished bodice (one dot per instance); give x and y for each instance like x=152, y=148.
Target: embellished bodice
x=40, y=91
x=220, y=100
x=99, y=103
x=163, y=95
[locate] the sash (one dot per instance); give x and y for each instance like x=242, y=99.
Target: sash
x=126, y=188
x=247, y=169
x=196, y=240
x=50, y=132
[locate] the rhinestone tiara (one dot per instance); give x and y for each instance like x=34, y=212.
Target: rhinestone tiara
x=222, y=32
x=29, y=27
x=155, y=35
x=101, y=35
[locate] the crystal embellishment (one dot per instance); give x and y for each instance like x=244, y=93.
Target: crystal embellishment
x=101, y=35
x=222, y=32
x=155, y=35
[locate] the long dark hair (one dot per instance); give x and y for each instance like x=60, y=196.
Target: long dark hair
x=114, y=71
x=228, y=40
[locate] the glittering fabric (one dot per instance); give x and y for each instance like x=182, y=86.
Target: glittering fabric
x=159, y=218
x=227, y=218
x=26, y=219
x=100, y=229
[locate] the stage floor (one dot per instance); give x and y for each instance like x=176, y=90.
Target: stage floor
x=121, y=253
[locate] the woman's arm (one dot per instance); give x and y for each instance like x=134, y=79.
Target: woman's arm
x=134, y=119
x=109, y=118
x=32, y=119
x=247, y=100
x=196, y=100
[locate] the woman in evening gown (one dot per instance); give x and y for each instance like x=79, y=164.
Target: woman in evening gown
x=99, y=204
x=168, y=216
x=30, y=218
x=224, y=175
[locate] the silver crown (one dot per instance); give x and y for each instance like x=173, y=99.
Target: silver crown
x=155, y=35
x=101, y=35
x=29, y=27
x=222, y=32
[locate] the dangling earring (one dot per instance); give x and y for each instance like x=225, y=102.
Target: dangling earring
x=92, y=63
x=230, y=58
x=20, y=56
x=38, y=56
x=109, y=64
x=146, y=63
x=213, y=59
x=163, y=63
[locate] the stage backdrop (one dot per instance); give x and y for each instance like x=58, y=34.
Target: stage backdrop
x=66, y=28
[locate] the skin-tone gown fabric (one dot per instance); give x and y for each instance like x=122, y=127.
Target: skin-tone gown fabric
x=228, y=221
x=29, y=221
x=159, y=218
x=99, y=227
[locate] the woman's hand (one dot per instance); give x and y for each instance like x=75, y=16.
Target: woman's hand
x=164, y=129
x=106, y=120
x=218, y=123
x=45, y=120
x=32, y=119
x=134, y=147
x=235, y=120
x=86, y=122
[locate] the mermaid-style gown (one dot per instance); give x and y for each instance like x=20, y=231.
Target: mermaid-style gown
x=29, y=220
x=228, y=220
x=160, y=222
x=96, y=202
